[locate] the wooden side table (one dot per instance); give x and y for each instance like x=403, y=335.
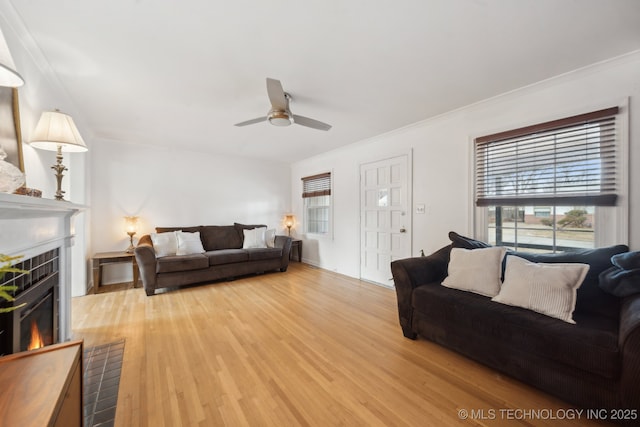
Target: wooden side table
x=296, y=243
x=103, y=258
x=43, y=387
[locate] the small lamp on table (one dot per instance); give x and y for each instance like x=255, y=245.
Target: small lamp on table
x=131, y=227
x=289, y=220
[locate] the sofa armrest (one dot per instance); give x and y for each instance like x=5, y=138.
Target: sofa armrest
x=146, y=259
x=284, y=242
x=410, y=273
x=629, y=342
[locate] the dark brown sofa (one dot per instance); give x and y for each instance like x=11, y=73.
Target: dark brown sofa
x=224, y=258
x=594, y=363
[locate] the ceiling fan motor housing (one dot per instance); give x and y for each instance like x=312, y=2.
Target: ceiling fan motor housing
x=279, y=118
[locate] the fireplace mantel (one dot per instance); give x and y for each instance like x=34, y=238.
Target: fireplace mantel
x=27, y=223
x=19, y=203
x=30, y=226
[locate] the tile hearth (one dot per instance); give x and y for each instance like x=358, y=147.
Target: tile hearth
x=102, y=367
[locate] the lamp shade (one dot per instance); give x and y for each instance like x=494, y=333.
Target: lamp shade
x=9, y=77
x=131, y=224
x=57, y=129
x=289, y=220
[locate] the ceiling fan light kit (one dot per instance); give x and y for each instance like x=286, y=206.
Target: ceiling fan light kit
x=279, y=118
x=279, y=114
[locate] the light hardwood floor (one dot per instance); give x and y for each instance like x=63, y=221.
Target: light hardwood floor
x=307, y=347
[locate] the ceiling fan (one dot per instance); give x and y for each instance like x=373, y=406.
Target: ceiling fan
x=279, y=114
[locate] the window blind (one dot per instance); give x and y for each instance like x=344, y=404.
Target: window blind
x=316, y=185
x=570, y=161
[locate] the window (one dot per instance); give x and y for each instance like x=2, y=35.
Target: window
x=541, y=186
x=316, y=193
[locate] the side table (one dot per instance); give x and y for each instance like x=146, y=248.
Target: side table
x=43, y=387
x=101, y=259
x=297, y=244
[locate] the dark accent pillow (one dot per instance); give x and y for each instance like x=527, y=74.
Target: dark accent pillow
x=247, y=226
x=627, y=260
x=216, y=237
x=463, y=242
x=620, y=282
x=623, y=279
x=185, y=229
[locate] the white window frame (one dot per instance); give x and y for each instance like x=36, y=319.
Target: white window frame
x=611, y=222
x=305, y=215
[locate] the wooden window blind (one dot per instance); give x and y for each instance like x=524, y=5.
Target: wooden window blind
x=571, y=161
x=316, y=185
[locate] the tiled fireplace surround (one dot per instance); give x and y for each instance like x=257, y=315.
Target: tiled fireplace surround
x=31, y=226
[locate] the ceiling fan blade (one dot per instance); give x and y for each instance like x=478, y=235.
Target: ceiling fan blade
x=252, y=121
x=310, y=123
x=276, y=95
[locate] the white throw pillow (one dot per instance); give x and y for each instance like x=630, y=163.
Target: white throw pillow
x=549, y=289
x=164, y=244
x=189, y=243
x=270, y=238
x=254, y=238
x=476, y=270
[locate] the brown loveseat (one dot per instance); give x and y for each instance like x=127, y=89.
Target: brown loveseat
x=224, y=257
x=594, y=363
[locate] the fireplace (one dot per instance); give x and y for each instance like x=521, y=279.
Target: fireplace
x=33, y=227
x=36, y=323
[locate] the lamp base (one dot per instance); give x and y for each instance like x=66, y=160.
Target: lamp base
x=131, y=247
x=59, y=168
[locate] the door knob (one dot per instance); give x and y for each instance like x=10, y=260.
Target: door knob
x=403, y=230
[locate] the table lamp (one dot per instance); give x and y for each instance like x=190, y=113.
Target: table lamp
x=289, y=220
x=56, y=131
x=131, y=227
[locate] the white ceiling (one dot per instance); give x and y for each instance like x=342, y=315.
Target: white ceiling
x=182, y=73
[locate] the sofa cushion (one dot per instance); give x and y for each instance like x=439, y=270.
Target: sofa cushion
x=458, y=241
x=189, y=243
x=591, y=344
x=257, y=254
x=171, y=264
x=476, y=270
x=227, y=256
x=547, y=288
x=216, y=237
x=591, y=299
x=255, y=238
x=270, y=238
x=164, y=244
x=241, y=227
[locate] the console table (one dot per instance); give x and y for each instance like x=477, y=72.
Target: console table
x=104, y=258
x=42, y=387
x=297, y=244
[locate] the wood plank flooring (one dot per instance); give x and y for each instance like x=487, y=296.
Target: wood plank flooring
x=303, y=348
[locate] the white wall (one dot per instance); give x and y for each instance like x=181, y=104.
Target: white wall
x=177, y=188
x=442, y=149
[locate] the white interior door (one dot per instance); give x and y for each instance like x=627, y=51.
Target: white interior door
x=385, y=218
